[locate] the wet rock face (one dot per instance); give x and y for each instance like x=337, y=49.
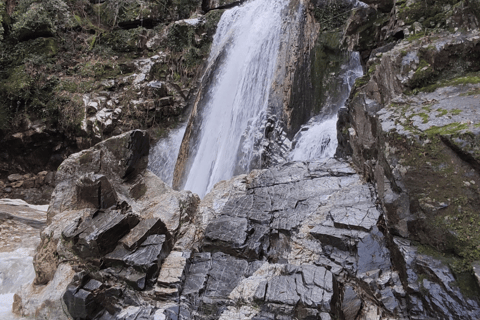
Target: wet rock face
x=297, y=241
x=411, y=127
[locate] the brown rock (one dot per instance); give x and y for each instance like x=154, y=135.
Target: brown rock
x=30, y=183
x=17, y=305
x=40, y=180
x=43, y=173
x=166, y=101
x=17, y=184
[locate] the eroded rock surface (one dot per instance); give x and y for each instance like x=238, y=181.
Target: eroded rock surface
x=412, y=128
x=297, y=241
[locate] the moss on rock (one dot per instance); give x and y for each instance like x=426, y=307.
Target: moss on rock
x=124, y=40
x=35, y=19
x=3, y=13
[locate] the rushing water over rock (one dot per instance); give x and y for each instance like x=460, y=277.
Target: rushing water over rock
x=19, y=236
x=317, y=139
x=163, y=156
x=248, y=39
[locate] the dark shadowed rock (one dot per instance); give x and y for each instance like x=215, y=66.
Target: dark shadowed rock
x=225, y=274
x=197, y=273
x=343, y=239
x=351, y=304
x=95, y=191
x=228, y=229
x=99, y=234
x=141, y=231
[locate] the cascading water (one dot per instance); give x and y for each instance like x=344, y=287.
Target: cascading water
x=317, y=139
x=162, y=158
x=248, y=37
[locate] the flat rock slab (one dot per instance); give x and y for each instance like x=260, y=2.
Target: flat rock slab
x=141, y=231
x=228, y=229
x=343, y=239
x=310, y=285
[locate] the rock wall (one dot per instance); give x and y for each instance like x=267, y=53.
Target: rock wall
x=390, y=231
x=296, y=241
x=411, y=125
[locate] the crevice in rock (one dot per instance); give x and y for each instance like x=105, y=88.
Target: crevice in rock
x=465, y=156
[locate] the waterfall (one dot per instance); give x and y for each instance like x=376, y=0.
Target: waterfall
x=248, y=39
x=162, y=157
x=317, y=139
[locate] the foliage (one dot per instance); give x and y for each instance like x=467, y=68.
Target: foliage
x=40, y=18
x=52, y=52
x=2, y=14
x=429, y=12
x=124, y=40
x=332, y=15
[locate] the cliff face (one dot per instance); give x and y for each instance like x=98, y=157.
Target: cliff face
x=412, y=124
x=297, y=241
x=387, y=230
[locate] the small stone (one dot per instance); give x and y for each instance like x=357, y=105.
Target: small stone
x=43, y=173
x=50, y=178
x=17, y=184
x=93, y=285
x=40, y=180
x=15, y=177
x=7, y=189
x=166, y=101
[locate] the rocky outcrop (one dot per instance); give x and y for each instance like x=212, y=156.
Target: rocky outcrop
x=411, y=128
x=297, y=241
x=395, y=236
x=34, y=188
x=108, y=213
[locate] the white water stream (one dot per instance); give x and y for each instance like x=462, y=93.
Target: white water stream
x=317, y=139
x=249, y=38
x=246, y=43
x=162, y=158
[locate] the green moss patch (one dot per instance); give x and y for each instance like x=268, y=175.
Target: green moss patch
x=447, y=129
x=430, y=13
x=472, y=78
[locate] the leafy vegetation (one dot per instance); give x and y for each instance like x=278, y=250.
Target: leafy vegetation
x=54, y=51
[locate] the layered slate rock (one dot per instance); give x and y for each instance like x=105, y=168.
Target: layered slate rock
x=297, y=241
x=98, y=234
x=113, y=222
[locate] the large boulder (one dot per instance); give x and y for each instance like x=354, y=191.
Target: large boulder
x=110, y=213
